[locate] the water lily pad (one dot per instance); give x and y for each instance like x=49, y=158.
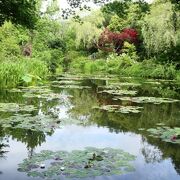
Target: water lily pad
x=32, y=89
x=43, y=123
x=120, y=109
x=120, y=84
x=79, y=163
x=67, y=82
x=48, y=96
x=119, y=92
x=71, y=86
x=167, y=134
x=154, y=100
x=14, y=107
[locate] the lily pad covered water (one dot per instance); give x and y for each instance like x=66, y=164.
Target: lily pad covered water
x=154, y=100
x=120, y=109
x=80, y=164
x=45, y=123
x=167, y=134
x=45, y=130
x=14, y=107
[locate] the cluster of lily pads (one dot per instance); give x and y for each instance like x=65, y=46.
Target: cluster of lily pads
x=43, y=123
x=154, y=100
x=120, y=109
x=166, y=133
x=14, y=107
x=119, y=85
x=41, y=92
x=71, y=86
x=90, y=162
x=32, y=89
x=48, y=96
x=66, y=82
x=119, y=92
x=69, y=83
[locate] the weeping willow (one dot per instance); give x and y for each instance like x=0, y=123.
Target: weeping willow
x=161, y=29
x=89, y=31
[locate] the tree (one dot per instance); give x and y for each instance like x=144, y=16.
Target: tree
x=161, y=30
x=125, y=14
x=22, y=12
x=110, y=41
x=88, y=32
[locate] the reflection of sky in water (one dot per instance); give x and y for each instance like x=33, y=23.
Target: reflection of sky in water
x=77, y=137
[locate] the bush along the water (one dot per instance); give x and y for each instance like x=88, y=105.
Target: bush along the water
x=22, y=72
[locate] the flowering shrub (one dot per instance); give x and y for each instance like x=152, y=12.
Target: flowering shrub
x=113, y=41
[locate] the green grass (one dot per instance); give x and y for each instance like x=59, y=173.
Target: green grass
x=12, y=73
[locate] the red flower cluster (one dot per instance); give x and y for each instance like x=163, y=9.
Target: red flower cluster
x=110, y=41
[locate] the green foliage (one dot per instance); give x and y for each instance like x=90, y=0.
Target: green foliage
x=117, y=23
x=19, y=12
x=126, y=14
x=150, y=68
x=161, y=29
x=49, y=44
x=48, y=33
x=11, y=39
x=87, y=33
x=23, y=71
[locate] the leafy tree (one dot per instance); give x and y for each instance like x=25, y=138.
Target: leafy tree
x=125, y=14
x=110, y=41
x=119, y=8
x=161, y=30
x=22, y=12
x=12, y=38
x=89, y=31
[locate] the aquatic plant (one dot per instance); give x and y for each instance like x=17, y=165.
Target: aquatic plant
x=90, y=162
x=71, y=86
x=14, y=107
x=154, y=100
x=66, y=82
x=119, y=92
x=167, y=134
x=120, y=109
x=44, y=123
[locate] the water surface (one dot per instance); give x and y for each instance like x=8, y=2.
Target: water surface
x=155, y=159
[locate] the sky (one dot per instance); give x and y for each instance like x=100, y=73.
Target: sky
x=63, y=3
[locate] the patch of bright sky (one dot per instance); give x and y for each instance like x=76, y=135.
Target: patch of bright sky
x=63, y=4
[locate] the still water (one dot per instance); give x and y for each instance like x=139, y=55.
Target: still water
x=85, y=126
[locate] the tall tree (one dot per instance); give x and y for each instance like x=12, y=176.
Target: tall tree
x=161, y=29
x=22, y=12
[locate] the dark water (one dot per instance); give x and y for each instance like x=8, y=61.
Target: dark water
x=155, y=159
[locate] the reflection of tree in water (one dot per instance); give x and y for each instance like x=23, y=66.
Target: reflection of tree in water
x=151, y=153
x=82, y=103
x=168, y=150
x=2, y=147
x=3, y=143
x=31, y=138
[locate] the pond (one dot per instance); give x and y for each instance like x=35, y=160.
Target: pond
x=91, y=127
